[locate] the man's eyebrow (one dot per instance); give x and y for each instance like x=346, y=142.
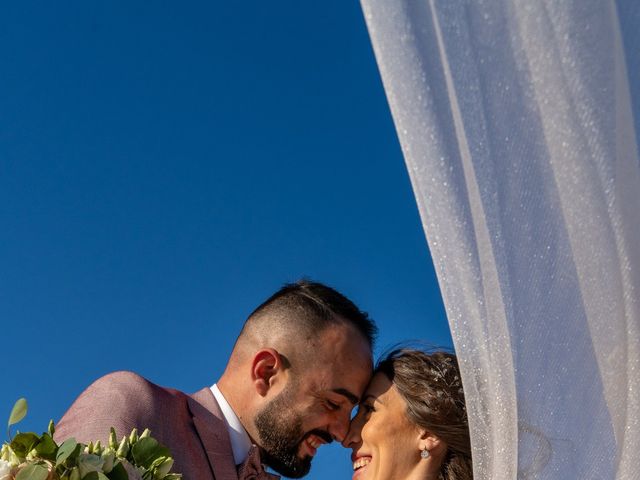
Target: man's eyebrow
x=346, y=393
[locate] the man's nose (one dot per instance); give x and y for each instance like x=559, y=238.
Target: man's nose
x=340, y=427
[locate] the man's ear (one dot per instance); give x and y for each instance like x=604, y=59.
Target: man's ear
x=265, y=366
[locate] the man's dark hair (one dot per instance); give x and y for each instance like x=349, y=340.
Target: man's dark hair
x=316, y=306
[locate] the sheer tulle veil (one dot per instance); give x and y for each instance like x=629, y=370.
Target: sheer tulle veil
x=516, y=123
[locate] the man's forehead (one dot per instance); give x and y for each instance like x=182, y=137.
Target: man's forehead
x=343, y=332
x=348, y=381
x=342, y=363
x=344, y=345
x=348, y=363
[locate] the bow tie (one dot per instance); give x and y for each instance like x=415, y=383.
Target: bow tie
x=252, y=468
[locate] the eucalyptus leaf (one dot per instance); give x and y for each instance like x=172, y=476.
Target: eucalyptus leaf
x=46, y=447
x=143, y=451
x=23, y=443
x=118, y=472
x=75, y=474
x=146, y=450
x=33, y=471
x=95, y=476
x=68, y=448
x=18, y=411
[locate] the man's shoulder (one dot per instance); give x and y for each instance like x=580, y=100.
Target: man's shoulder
x=122, y=400
x=120, y=376
x=126, y=384
x=122, y=379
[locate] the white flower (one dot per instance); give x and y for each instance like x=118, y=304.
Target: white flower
x=5, y=470
x=88, y=462
x=8, y=456
x=109, y=456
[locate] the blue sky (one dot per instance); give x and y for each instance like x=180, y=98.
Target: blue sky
x=164, y=167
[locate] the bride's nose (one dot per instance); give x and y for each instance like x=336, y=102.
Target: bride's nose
x=352, y=438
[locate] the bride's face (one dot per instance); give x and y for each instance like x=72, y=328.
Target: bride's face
x=385, y=443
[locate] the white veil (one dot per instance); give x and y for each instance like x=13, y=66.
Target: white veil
x=516, y=122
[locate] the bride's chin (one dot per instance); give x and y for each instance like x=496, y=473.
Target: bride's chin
x=360, y=473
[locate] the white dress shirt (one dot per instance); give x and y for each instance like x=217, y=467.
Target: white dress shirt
x=240, y=441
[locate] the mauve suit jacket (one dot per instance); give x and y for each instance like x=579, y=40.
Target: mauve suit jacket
x=191, y=426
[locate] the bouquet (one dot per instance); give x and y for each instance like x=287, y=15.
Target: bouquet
x=29, y=456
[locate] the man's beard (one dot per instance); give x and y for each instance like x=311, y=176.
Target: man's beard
x=280, y=429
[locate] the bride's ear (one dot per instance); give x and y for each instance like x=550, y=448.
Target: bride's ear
x=430, y=442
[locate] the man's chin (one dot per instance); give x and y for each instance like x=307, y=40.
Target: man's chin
x=290, y=468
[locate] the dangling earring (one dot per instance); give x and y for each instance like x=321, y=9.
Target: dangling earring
x=424, y=453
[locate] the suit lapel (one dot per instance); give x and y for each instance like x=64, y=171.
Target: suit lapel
x=212, y=429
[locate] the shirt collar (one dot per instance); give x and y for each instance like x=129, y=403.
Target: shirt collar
x=240, y=441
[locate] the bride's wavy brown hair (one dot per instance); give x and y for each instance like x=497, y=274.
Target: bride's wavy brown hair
x=430, y=385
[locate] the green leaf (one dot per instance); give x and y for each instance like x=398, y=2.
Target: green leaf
x=75, y=474
x=118, y=472
x=18, y=411
x=23, y=443
x=146, y=450
x=52, y=428
x=47, y=448
x=33, y=472
x=68, y=448
x=94, y=476
x=161, y=467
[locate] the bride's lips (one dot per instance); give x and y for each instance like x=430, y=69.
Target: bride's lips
x=360, y=463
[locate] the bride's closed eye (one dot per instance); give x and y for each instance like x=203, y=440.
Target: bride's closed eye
x=366, y=408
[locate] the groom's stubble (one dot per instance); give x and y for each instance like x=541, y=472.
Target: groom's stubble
x=280, y=428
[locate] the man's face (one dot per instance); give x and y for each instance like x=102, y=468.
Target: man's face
x=315, y=406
